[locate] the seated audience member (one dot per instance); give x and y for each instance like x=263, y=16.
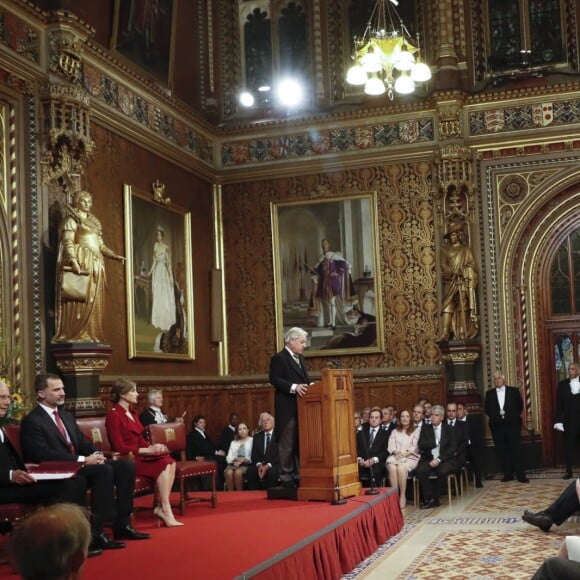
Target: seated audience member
x=475, y=442
x=437, y=446
x=264, y=470
x=229, y=433
x=427, y=410
x=418, y=415
x=393, y=410
x=364, y=416
x=17, y=485
x=357, y=422
x=566, y=505
x=200, y=447
x=154, y=412
x=403, y=454
x=371, y=449
x=151, y=461
x=238, y=458
x=48, y=433
x=559, y=567
x=52, y=544
x=461, y=434
x=387, y=421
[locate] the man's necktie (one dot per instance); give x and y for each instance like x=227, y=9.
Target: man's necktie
x=296, y=359
x=267, y=443
x=62, y=430
x=372, y=437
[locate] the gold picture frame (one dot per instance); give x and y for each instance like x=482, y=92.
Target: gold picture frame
x=332, y=291
x=159, y=278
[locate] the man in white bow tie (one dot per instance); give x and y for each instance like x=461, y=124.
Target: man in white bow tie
x=567, y=413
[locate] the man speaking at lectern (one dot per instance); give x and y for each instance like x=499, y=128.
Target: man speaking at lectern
x=289, y=377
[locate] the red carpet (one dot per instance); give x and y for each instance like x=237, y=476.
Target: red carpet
x=249, y=536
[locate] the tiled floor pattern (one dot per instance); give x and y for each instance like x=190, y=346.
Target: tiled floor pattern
x=479, y=537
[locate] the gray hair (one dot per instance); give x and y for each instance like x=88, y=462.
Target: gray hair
x=266, y=416
x=294, y=333
x=151, y=393
x=438, y=410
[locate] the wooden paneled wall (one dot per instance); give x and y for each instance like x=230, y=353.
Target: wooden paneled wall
x=217, y=399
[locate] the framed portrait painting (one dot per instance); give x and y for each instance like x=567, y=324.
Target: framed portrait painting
x=143, y=32
x=159, y=278
x=326, y=269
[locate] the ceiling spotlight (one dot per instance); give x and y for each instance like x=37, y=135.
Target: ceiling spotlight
x=290, y=93
x=247, y=99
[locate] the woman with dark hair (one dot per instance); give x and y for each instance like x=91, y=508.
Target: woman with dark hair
x=238, y=458
x=152, y=461
x=403, y=454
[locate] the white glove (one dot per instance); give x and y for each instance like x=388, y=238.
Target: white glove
x=559, y=427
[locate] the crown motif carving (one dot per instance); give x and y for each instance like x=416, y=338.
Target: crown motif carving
x=65, y=55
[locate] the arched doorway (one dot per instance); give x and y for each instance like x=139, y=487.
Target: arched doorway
x=559, y=285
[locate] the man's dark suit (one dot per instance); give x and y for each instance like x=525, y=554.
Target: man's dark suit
x=462, y=442
x=285, y=372
x=200, y=446
x=70, y=490
x=568, y=413
x=227, y=436
x=263, y=456
x=475, y=448
x=448, y=461
x=42, y=441
x=378, y=449
x=506, y=431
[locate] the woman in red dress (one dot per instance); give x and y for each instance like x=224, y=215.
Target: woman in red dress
x=126, y=436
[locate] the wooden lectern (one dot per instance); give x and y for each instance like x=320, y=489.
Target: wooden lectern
x=328, y=468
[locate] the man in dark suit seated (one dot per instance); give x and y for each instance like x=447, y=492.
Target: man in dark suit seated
x=19, y=486
x=475, y=443
x=438, y=447
x=461, y=434
x=229, y=433
x=200, y=447
x=371, y=449
x=264, y=471
x=48, y=433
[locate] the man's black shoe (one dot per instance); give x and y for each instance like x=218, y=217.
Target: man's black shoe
x=478, y=484
x=129, y=533
x=103, y=542
x=567, y=475
x=506, y=479
x=94, y=552
x=428, y=504
x=523, y=480
x=542, y=521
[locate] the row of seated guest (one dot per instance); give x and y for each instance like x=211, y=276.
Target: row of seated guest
x=426, y=447
x=48, y=433
x=251, y=459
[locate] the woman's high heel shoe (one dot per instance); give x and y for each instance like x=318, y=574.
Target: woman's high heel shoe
x=160, y=516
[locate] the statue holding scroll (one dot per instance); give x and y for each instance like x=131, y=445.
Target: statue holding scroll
x=459, y=318
x=80, y=286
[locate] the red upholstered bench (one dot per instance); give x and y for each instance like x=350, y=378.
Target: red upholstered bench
x=173, y=436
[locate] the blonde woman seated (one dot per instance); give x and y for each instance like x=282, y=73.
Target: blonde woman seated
x=125, y=433
x=238, y=458
x=403, y=454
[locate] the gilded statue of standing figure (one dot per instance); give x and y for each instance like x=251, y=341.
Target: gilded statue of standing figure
x=80, y=288
x=459, y=318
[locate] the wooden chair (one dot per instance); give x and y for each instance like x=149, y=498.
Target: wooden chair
x=173, y=436
x=452, y=485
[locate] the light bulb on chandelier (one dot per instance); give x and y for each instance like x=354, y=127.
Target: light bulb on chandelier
x=385, y=58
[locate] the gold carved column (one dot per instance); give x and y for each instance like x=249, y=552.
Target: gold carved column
x=459, y=266
x=66, y=148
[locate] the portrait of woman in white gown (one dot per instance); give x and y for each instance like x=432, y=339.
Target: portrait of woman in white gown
x=163, y=313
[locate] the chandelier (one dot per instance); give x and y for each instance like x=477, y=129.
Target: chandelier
x=385, y=58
